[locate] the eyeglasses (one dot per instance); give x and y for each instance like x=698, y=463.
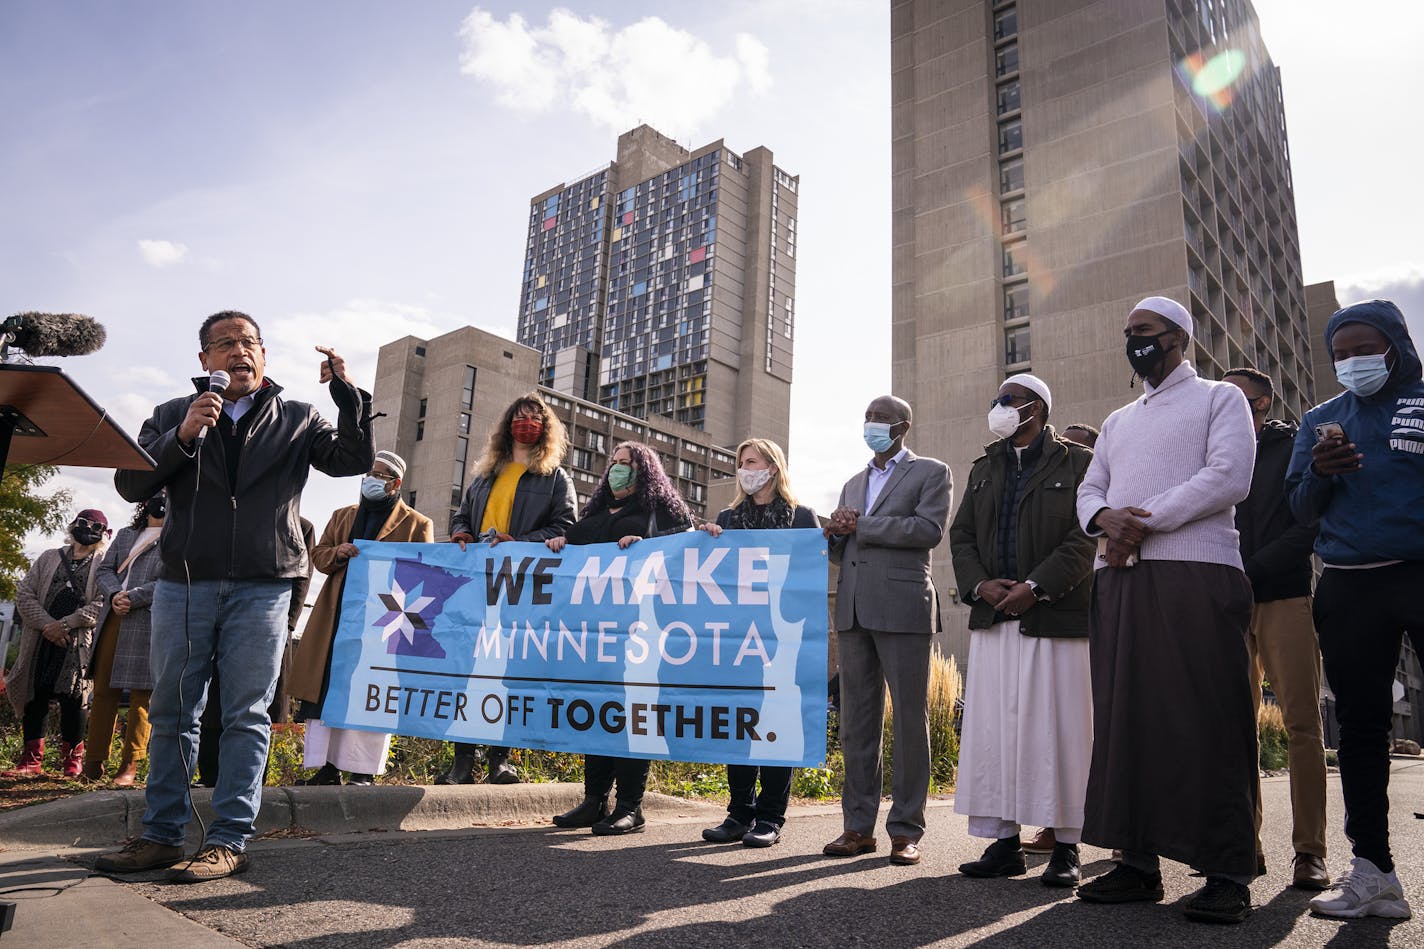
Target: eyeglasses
x=387, y=478
x=85, y=522
x=227, y=343
x=1017, y=401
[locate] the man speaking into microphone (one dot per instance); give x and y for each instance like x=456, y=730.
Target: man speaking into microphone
x=231, y=545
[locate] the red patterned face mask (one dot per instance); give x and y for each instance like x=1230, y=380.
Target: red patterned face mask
x=526, y=431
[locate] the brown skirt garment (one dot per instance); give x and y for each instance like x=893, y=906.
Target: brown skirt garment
x=1174, y=738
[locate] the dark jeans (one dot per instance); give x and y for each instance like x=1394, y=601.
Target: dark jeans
x=770, y=805
x=600, y=771
x=71, y=717
x=1362, y=617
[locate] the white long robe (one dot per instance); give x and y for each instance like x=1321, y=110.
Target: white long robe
x=349, y=749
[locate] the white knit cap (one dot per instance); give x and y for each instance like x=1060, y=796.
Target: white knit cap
x=1033, y=384
x=1169, y=310
x=392, y=461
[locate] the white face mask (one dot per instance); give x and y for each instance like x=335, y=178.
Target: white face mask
x=372, y=488
x=1004, y=420
x=753, y=480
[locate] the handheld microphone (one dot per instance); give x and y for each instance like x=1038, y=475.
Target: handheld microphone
x=217, y=382
x=54, y=334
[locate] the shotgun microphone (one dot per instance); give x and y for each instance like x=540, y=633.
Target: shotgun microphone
x=217, y=382
x=53, y=334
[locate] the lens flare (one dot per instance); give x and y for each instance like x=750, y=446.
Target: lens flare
x=1212, y=78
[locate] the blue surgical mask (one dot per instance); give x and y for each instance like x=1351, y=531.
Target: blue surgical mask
x=1363, y=375
x=877, y=436
x=372, y=488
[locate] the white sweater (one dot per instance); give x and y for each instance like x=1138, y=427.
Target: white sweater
x=1185, y=452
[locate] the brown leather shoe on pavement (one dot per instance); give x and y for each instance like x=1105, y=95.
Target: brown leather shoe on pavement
x=211, y=862
x=1043, y=842
x=138, y=856
x=849, y=844
x=904, y=851
x=127, y=775
x=1310, y=873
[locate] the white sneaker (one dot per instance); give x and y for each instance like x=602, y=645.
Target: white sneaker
x=1363, y=890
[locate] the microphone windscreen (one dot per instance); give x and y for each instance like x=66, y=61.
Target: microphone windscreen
x=218, y=381
x=58, y=334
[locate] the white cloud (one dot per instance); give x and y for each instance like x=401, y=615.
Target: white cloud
x=648, y=71
x=162, y=254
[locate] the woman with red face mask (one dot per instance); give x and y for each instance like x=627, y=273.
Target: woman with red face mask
x=519, y=493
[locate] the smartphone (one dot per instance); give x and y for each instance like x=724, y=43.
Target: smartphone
x=1328, y=430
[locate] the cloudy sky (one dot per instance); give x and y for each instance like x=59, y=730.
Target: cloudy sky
x=352, y=172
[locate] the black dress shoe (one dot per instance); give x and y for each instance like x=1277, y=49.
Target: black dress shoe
x=1004, y=858
x=623, y=820
x=729, y=831
x=462, y=770
x=1063, y=867
x=502, y=773
x=1123, y=884
x=1220, y=901
x=359, y=780
x=327, y=774
x=763, y=834
x=590, y=812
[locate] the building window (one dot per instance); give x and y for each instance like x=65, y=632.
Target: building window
x=467, y=392
x=411, y=496
x=462, y=447
x=1011, y=175
x=419, y=430
x=1006, y=23
x=1015, y=216
x=596, y=441
x=1016, y=303
x=1006, y=60
x=421, y=413
x=419, y=351
x=1010, y=136
x=1016, y=346
x=1015, y=259
x=464, y=423
x=1008, y=96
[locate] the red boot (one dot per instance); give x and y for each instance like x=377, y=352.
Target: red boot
x=73, y=756
x=30, y=763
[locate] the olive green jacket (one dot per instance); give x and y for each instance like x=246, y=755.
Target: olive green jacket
x=1052, y=551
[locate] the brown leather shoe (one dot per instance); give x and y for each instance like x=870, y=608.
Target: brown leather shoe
x=904, y=851
x=1042, y=842
x=1310, y=873
x=212, y=862
x=92, y=771
x=849, y=844
x=128, y=773
x=138, y=856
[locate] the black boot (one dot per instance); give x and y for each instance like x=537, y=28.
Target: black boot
x=1004, y=858
x=359, y=780
x=590, y=812
x=500, y=770
x=462, y=770
x=623, y=820
x=1062, y=869
x=327, y=774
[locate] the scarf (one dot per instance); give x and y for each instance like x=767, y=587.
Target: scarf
x=752, y=516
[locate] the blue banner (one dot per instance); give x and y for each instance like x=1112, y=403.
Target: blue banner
x=687, y=647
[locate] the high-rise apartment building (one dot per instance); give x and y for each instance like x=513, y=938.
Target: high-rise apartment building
x=1054, y=162
x=442, y=396
x=664, y=284
x=1321, y=302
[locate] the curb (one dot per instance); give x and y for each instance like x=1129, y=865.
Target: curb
x=106, y=818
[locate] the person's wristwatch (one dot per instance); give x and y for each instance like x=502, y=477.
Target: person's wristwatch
x=1038, y=595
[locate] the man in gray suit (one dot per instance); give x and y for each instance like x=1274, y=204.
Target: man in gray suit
x=890, y=517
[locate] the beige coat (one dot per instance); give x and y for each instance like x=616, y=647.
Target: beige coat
x=405, y=525
x=29, y=603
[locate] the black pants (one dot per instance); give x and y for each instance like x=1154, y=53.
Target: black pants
x=600, y=771
x=1362, y=617
x=71, y=717
x=770, y=805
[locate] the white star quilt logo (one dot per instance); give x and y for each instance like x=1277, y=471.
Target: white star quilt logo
x=403, y=612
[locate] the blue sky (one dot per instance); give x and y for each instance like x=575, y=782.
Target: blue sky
x=329, y=168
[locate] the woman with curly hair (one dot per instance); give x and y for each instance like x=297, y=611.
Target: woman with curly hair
x=519, y=493
x=126, y=578
x=764, y=501
x=633, y=500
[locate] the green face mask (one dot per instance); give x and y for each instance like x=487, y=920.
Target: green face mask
x=621, y=476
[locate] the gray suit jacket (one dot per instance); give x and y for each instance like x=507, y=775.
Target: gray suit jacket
x=885, y=565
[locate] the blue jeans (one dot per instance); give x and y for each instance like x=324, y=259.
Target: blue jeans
x=241, y=625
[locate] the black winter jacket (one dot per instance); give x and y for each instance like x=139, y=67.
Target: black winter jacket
x=1275, y=548
x=250, y=530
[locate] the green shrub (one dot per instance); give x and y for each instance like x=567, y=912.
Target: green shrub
x=1273, y=738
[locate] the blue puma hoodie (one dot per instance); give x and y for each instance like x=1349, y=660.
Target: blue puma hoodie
x=1376, y=513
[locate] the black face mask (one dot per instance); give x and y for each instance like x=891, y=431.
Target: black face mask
x=1145, y=353
x=156, y=507
x=87, y=536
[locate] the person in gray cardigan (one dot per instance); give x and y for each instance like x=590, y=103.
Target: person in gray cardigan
x=890, y=517
x=58, y=602
x=126, y=579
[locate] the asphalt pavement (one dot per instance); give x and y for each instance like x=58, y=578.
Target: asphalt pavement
x=525, y=884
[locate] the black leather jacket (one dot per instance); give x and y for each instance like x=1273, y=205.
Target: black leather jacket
x=250, y=530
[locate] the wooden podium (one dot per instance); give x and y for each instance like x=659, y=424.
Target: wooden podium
x=45, y=419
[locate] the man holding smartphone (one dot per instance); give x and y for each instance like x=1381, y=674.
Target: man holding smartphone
x=1358, y=466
